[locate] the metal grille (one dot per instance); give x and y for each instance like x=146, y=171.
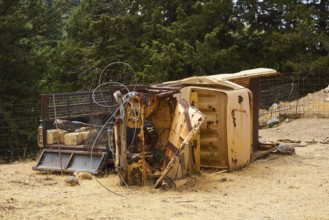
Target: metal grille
x=77, y=104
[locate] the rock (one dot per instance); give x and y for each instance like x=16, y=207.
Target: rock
x=72, y=181
x=286, y=149
x=273, y=121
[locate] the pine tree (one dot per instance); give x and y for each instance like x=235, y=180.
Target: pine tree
x=28, y=31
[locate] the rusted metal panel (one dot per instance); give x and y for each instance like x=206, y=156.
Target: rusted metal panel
x=216, y=135
x=239, y=129
x=182, y=130
x=186, y=124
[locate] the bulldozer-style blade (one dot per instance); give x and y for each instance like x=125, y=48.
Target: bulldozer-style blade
x=70, y=161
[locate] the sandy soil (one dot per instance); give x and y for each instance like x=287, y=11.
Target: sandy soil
x=278, y=187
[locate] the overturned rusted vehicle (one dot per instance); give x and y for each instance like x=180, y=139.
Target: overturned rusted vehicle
x=157, y=132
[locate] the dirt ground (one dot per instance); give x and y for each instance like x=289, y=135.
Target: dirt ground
x=277, y=187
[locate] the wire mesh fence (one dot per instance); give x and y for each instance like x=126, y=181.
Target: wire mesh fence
x=18, y=128
x=297, y=96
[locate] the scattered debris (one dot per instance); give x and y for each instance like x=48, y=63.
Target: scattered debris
x=168, y=183
x=178, y=201
x=301, y=145
x=273, y=121
x=82, y=175
x=286, y=149
x=264, y=150
x=288, y=141
x=222, y=171
x=325, y=141
x=72, y=181
x=311, y=142
x=293, y=143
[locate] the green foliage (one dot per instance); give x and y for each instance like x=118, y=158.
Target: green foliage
x=61, y=46
x=164, y=40
x=28, y=31
x=293, y=36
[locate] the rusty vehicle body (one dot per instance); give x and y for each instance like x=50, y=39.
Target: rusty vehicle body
x=162, y=131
